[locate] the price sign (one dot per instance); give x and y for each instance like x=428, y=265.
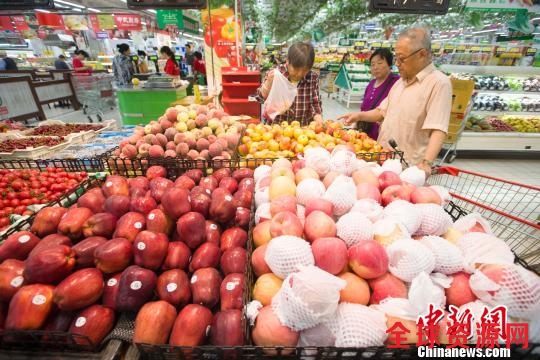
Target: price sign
x=476, y=49
x=386, y=45
x=26, y=4
x=436, y=46
x=375, y=45
x=461, y=48
x=531, y=51
x=449, y=47
x=487, y=49
x=410, y=7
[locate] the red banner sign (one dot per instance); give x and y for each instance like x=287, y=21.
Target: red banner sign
x=130, y=22
x=5, y=23
x=51, y=20
x=20, y=23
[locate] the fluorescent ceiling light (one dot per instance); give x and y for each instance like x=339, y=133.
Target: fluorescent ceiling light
x=76, y=9
x=43, y=11
x=152, y=11
x=94, y=10
x=69, y=3
x=485, y=31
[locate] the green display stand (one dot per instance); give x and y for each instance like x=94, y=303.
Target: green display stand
x=139, y=106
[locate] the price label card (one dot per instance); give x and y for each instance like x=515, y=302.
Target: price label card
x=375, y=45
x=461, y=48
x=359, y=44
x=531, y=51
x=487, y=49
x=436, y=47
x=449, y=47
x=475, y=48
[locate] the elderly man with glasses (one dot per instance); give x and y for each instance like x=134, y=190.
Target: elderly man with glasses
x=417, y=110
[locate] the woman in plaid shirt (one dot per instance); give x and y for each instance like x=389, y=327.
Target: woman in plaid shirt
x=307, y=104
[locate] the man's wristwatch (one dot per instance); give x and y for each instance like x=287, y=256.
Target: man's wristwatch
x=427, y=162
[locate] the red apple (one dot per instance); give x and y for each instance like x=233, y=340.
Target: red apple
x=229, y=183
x=221, y=174
x=173, y=287
x=424, y=195
x=213, y=231
x=205, y=285
x=156, y=171
x=394, y=192
x=192, y=229
x=178, y=256
x=185, y=182
x=222, y=208
x=234, y=260
x=319, y=204
x=110, y=291
x=286, y=223
x=191, y=326
x=84, y=251
x=176, y=202
x=209, y=183
x=115, y=185
x=233, y=237
x=242, y=217
x=388, y=178
x=231, y=291
x=201, y=203
x=47, y=220
x=243, y=198
x=49, y=241
x=368, y=259
x=139, y=182
x=283, y=203
x=319, y=225
x=257, y=261
x=135, y=288
x=142, y=204
x=114, y=255
x=150, y=249
x=330, y=254
x=129, y=225
x=158, y=221
x=117, y=205
x=206, y=255
x=368, y=191
x=100, y=224
x=195, y=174
x=158, y=186
x=247, y=184
x=93, y=200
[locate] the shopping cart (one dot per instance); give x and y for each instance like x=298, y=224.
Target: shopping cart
x=513, y=209
x=95, y=93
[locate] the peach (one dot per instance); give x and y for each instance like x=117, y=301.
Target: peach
x=319, y=225
x=368, y=259
x=283, y=203
x=282, y=172
x=385, y=286
x=282, y=185
x=266, y=286
x=258, y=263
x=365, y=175
x=319, y=204
x=261, y=233
x=459, y=292
x=330, y=254
x=305, y=173
x=286, y=223
x=356, y=291
x=156, y=151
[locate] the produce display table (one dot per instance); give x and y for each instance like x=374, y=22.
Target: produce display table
x=188, y=100
x=139, y=105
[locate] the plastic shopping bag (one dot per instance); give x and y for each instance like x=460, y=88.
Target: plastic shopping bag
x=281, y=96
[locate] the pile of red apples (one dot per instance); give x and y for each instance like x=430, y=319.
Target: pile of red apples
x=171, y=251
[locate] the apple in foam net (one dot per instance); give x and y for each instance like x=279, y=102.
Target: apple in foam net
x=319, y=204
x=261, y=233
x=424, y=195
x=368, y=191
x=305, y=173
x=283, y=203
x=368, y=259
x=365, y=175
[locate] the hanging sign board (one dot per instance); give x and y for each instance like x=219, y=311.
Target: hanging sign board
x=26, y=4
x=163, y=4
x=438, y=7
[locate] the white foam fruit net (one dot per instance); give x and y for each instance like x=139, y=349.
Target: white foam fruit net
x=318, y=159
x=407, y=258
x=343, y=161
x=262, y=212
x=393, y=165
x=309, y=189
x=404, y=212
x=413, y=175
x=285, y=253
x=517, y=288
x=369, y=207
x=306, y=298
x=448, y=257
x=481, y=248
x=323, y=334
x=424, y=291
x=433, y=220
x=476, y=309
x=261, y=171
x=388, y=231
x=341, y=194
x=443, y=193
x=353, y=228
x=262, y=196
x=465, y=223
x=360, y=326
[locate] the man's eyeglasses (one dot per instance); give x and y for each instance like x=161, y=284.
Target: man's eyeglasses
x=401, y=59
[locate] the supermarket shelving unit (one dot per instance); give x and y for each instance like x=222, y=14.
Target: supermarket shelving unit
x=352, y=80
x=238, y=84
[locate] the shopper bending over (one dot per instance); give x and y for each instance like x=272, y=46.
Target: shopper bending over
x=7, y=63
x=61, y=64
x=142, y=63
x=417, y=110
x=378, y=88
x=171, y=66
x=307, y=104
x=78, y=64
x=123, y=66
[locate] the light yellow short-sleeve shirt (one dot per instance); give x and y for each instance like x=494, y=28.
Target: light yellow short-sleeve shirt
x=412, y=110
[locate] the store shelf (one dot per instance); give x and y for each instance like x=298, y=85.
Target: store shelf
x=499, y=113
x=508, y=92
x=497, y=141
x=492, y=70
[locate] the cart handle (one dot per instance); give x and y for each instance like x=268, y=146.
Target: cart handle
x=449, y=170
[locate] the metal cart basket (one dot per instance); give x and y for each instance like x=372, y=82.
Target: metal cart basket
x=95, y=93
x=513, y=209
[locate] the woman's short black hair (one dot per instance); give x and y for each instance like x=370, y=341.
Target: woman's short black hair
x=122, y=48
x=383, y=53
x=83, y=53
x=141, y=53
x=198, y=55
x=301, y=55
x=167, y=51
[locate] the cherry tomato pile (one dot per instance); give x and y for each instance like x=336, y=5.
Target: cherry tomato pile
x=22, y=187
x=63, y=130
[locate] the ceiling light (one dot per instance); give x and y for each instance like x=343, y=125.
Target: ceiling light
x=94, y=10
x=152, y=11
x=69, y=3
x=43, y=11
x=485, y=31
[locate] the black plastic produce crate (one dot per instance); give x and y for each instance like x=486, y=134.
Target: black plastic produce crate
x=88, y=165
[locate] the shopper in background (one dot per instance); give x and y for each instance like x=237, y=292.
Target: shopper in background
x=417, y=110
x=297, y=68
x=78, y=64
x=7, y=63
x=122, y=65
x=171, y=66
x=272, y=60
x=190, y=55
x=199, y=67
x=378, y=88
x=61, y=64
x=142, y=63
x=345, y=59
